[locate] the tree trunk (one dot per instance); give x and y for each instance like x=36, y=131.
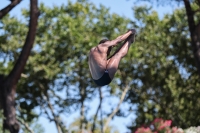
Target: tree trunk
x=82, y=124
x=82, y=112
x=196, y=41
x=1, y=91
x=10, y=122
x=9, y=83
x=99, y=107
x=194, y=33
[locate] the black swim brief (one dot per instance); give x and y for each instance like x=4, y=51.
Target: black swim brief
x=104, y=80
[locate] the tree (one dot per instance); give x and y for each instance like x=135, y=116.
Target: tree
x=194, y=28
x=8, y=82
x=56, y=78
x=182, y=90
x=74, y=127
x=8, y=8
x=32, y=127
x=192, y=8
x=164, y=77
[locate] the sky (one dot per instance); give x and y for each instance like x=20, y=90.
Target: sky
x=121, y=7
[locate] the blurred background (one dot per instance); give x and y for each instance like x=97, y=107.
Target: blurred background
x=46, y=87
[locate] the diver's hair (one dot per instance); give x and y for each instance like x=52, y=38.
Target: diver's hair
x=103, y=40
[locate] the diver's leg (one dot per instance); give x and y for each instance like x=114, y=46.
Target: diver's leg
x=114, y=61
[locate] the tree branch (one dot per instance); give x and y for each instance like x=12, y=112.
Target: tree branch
x=15, y=74
x=1, y=91
x=196, y=11
x=26, y=125
x=198, y=1
x=95, y=117
x=51, y=108
x=82, y=112
x=117, y=108
x=53, y=113
x=48, y=116
x=7, y=9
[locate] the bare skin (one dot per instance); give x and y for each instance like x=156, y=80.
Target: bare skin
x=98, y=61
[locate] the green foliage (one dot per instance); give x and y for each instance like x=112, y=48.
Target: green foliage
x=159, y=67
x=37, y=128
x=10, y=45
x=165, y=81
x=1, y=122
x=57, y=70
